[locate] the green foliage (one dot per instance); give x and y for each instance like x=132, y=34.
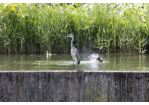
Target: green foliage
x=104, y=27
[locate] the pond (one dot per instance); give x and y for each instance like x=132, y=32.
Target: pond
x=111, y=62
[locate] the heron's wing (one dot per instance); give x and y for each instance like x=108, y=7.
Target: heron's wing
x=78, y=57
x=75, y=55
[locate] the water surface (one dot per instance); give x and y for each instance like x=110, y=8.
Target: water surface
x=111, y=62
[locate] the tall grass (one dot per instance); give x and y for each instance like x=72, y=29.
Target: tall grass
x=103, y=27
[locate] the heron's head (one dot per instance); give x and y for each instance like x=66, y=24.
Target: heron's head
x=70, y=35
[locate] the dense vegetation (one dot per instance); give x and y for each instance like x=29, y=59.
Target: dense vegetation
x=103, y=27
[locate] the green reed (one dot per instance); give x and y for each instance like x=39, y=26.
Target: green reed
x=103, y=27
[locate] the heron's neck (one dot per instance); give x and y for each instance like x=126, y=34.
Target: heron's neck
x=72, y=42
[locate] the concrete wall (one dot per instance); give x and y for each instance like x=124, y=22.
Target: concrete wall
x=27, y=86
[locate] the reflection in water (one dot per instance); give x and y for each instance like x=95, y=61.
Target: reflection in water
x=112, y=62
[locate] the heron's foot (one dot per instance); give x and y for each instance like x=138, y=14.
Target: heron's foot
x=80, y=71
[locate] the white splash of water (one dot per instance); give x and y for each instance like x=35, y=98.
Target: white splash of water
x=93, y=57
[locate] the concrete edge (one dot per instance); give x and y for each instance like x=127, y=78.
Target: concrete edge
x=81, y=71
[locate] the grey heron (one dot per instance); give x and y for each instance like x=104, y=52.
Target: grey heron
x=74, y=51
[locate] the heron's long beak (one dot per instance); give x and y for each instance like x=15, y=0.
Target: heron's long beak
x=67, y=35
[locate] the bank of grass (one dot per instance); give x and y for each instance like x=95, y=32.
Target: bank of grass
x=103, y=27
